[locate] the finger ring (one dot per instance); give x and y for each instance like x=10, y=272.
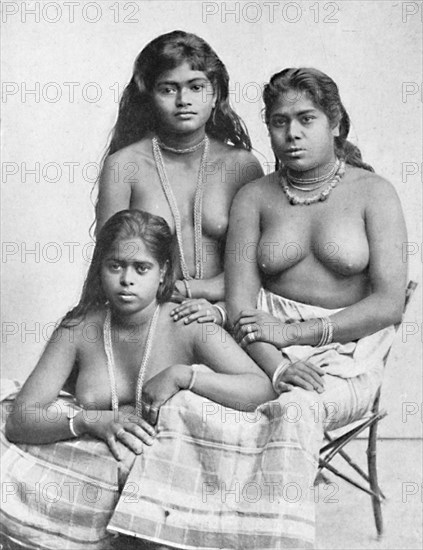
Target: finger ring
x=251, y=336
x=153, y=408
x=207, y=312
x=249, y=328
x=120, y=432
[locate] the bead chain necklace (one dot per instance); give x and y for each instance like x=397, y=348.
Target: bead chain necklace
x=311, y=184
x=198, y=209
x=181, y=151
x=111, y=368
x=294, y=199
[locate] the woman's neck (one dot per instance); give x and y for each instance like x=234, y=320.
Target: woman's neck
x=138, y=319
x=181, y=141
x=320, y=172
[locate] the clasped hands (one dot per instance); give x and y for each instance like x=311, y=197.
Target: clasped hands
x=254, y=325
x=131, y=430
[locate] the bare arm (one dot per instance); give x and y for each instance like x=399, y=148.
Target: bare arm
x=30, y=420
x=246, y=168
x=237, y=381
x=386, y=233
x=226, y=374
x=242, y=276
x=212, y=289
x=37, y=417
x=114, y=193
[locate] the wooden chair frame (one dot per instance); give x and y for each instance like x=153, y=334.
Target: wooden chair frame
x=335, y=446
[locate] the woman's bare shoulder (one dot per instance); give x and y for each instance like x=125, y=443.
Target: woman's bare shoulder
x=236, y=159
x=83, y=329
x=132, y=153
x=236, y=154
x=176, y=330
x=258, y=191
x=369, y=185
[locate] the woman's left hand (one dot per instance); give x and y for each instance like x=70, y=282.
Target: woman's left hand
x=199, y=310
x=253, y=325
x=161, y=388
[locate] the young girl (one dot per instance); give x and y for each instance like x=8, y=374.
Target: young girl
x=178, y=150
x=123, y=357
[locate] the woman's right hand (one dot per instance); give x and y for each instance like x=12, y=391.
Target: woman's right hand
x=123, y=427
x=302, y=374
x=196, y=309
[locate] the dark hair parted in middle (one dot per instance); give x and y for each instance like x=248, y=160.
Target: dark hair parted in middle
x=126, y=224
x=137, y=115
x=324, y=93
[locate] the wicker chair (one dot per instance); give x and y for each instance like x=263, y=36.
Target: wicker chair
x=335, y=446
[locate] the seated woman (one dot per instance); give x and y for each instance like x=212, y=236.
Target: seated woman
x=178, y=150
x=127, y=358
x=316, y=307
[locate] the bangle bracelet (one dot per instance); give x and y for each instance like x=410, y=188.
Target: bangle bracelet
x=72, y=412
x=193, y=377
x=280, y=369
x=327, y=332
x=330, y=331
x=179, y=288
x=223, y=313
x=187, y=288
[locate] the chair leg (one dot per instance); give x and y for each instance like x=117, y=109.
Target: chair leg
x=371, y=461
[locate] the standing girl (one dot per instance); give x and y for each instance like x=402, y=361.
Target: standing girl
x=178, y=150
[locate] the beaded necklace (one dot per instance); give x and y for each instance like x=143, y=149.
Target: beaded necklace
x=295, y=199
x=311, y=184
x=111, y=367
x=198, y=208
x=181, y=151
x=319, y=180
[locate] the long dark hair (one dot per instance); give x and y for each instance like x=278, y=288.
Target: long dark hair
x=137, y=116
x=126, y=224
x=324, y=93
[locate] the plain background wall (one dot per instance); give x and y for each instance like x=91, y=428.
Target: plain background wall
x=77, y=58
